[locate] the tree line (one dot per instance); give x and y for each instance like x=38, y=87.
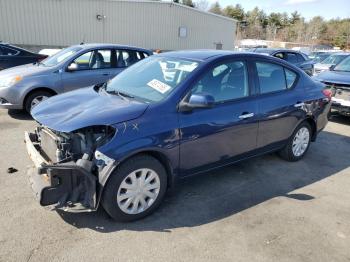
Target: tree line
x=257, y=24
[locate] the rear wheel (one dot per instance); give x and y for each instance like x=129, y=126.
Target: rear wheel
x=135, y=189
x=298, y=143
x=36, y=98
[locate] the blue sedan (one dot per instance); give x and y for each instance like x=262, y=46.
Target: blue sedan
x=166, y=117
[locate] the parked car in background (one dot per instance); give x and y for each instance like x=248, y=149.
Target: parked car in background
x=338, y=81
x=75, y=67
x=317, y=57
x=296, y=58
x=329, y=61
x=11, y=56
x=49, y=51
x=125, y=143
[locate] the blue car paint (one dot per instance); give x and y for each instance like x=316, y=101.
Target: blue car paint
x=197, y=141
x=61, y=113
x=334, y=77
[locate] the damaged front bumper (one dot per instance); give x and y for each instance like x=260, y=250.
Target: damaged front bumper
x=341, y=105
x=67, y=186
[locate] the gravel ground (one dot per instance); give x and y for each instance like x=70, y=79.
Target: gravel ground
x=263, y=209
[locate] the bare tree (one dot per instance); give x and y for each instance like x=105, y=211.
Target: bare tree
x=202, y=5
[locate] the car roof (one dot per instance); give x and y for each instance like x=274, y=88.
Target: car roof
x=272, y=50
x=203, y=55
x=99, y=45
x=341, y=53
x=266, y=50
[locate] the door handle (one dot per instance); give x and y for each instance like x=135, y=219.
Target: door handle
x=246, y=115
x=299, y=104
x=105, y=74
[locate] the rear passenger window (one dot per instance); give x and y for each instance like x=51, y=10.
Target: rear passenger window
x=279, y=55
x=274, y=77
x=292, y=58
x=141, y=55
x=300, y=58
x=126, y=58
x=290, y=77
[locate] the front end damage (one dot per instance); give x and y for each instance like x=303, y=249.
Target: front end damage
x=341, y=99
x=68, y=166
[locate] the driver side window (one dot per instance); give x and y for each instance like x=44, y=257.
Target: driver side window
x=97, y=59
x=83, y=61
x=225, y=82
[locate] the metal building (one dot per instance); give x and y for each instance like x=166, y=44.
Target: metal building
x=149, y=24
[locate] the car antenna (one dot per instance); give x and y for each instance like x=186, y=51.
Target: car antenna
x=83, y=40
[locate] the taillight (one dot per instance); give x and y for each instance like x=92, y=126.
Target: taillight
x=327, y=93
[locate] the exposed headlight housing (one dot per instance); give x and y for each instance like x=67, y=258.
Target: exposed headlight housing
x=102, y=159
x=9, y=81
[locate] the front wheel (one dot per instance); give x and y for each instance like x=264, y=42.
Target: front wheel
x=135, y=189
x=35, y=99
x=298, y=143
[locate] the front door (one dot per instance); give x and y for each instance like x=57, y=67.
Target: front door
x=215, y=136
x=93, y=67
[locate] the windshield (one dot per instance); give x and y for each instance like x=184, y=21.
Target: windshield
x=152, y=79
x=343, y=65
x=318, y=57
x=60, y=56
x=333, y=59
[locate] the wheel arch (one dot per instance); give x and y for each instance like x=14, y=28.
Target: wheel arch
x=311, y=121
x=37, y=89
x=161, y=157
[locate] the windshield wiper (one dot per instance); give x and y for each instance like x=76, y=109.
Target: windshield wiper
x=119, y=93
x=38, y=63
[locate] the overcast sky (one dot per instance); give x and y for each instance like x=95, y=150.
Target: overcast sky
x=308, y=8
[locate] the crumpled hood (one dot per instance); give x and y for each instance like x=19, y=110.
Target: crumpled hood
x=85, y=107
x=336, y=77
x=24, y=70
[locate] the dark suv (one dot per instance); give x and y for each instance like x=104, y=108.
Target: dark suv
x=11, y=56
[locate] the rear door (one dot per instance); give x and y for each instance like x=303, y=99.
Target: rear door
x=215, y=136
x=94, y=67
x=123, y=58
x=280, y=102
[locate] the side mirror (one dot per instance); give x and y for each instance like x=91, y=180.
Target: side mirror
x=197, y=101
x=332, y=68
x=72, y=67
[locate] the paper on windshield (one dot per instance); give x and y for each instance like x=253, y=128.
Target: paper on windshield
x=159, y=86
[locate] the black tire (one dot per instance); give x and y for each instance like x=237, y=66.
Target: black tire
x=287, y=152
x=109, y=196
x=32, y=96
